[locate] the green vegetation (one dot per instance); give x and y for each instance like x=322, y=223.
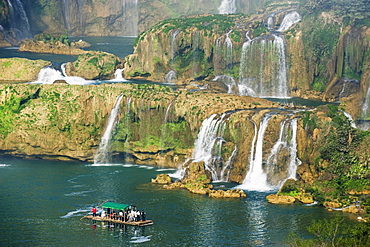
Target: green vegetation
x=333, y=232
x=343, y=161
x=52, y=38
x=356, y=10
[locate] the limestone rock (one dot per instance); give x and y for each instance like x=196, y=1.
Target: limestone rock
x=55, y=48
x=162, y=179
x=227, y=194
x=280, y=199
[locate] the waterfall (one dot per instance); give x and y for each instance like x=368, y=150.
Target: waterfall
x=131, y=17
x=173, y=36
x=208, y=145
x=228, y=50
x=365, y=106
x=270, y=22
x=227, y=7
x=228, y=81
x=289, y=20
x=282, y=162
x=48, y=75
x=101, y=156
x=353, y=124
x=256, y=178
x=118, y=76
x=263, y=67
x=170, y=77
x=65, y=10
x=225, y=177
x=19, y=24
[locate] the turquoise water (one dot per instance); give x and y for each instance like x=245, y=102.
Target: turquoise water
x=42, y=202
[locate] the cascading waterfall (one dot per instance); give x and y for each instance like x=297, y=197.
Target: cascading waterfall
x=228, y=81
x=170, y=77
x=289, y=20
x=227, y=7
x=102, y=154
x=19, y=23
x=208, y=145
x=263, y=67
x=174, y=46
x=283, y=153
x=256, y=178
x=350, y=118
x=365, y=106
x=225, y=172
x=131, y=17
x=48, y=75
x=228, y=50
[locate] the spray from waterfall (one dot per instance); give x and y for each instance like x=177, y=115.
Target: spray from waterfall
x=102, y=154
x=48, y=75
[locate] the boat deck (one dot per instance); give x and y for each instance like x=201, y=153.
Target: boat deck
x=107, y=219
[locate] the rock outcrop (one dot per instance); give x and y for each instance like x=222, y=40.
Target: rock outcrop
x=55, y=48
x=94, y=65
x=20, y=69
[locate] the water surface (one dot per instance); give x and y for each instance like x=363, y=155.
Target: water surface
x=42, y=202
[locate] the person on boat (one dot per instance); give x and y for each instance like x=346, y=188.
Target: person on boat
x=125, y=215
x=143, y=215
x=93, y=210
x=120, y=215
x=138, y=215
x=103, y=214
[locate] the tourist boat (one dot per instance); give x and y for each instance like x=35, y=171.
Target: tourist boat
x=111, y=211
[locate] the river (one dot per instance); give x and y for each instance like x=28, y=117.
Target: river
x=42, y=202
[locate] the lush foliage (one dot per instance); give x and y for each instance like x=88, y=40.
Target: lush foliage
x=354, y=10
x=334, y=232
x=343, y=164
x=50, y=38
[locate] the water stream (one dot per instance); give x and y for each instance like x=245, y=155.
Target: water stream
x=102, y=155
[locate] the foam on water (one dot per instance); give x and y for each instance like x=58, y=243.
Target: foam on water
x=77, y=212
x=79, y=193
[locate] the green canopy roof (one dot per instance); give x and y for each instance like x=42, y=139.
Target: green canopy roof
x=114, y=205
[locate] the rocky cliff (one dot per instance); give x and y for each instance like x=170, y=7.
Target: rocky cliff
x=109, y=18
x=231, y=135
x=312, y=57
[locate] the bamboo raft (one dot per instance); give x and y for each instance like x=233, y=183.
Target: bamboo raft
x=116, y=221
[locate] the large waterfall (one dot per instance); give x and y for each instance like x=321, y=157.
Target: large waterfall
x=131, y=17
x=263, y=67
x=208, y=145
x=101, y=156
x=256, y=178
x=227, y=7
x=281, y=164
x=19, y=24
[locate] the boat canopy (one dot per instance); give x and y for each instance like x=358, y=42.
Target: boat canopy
x=114, y=205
